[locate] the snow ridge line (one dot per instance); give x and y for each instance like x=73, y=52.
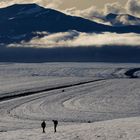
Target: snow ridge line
x=27, y=93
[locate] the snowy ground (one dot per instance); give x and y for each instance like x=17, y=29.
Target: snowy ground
x=99, y=101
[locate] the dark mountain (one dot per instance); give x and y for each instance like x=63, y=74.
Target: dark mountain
x=122, y=19
x=21, y=22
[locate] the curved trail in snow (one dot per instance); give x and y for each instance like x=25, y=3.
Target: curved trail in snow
x=98, y=101
x=53, y=100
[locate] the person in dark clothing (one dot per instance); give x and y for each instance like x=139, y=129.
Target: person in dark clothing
x=55, y=124
x=43, y=125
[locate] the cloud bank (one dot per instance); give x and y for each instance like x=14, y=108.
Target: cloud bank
x=66, y=47
x=132, y=7
x=76, y=39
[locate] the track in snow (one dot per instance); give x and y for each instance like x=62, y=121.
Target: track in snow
x=27, y=93
x=101, y=100
x=130, y=73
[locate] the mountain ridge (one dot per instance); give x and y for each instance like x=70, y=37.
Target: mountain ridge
x=20, y=22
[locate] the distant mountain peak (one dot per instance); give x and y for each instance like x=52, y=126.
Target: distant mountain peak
x=122, y=19
x=24, y=5
x=15, y=8
x=20, y=22
x=111, y=16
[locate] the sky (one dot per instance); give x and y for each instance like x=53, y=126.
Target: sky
x=64, y=4
x=82, y=4
x=85, y=8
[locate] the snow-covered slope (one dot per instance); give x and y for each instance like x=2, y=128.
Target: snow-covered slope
x=106, y=108
x=17, y=78
x=121, y=129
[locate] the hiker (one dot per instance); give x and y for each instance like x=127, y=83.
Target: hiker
x=43, y=125
x=55, y=124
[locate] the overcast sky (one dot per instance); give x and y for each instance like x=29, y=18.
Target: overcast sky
x=86, y=8
x=64, y=4
x=82, y=4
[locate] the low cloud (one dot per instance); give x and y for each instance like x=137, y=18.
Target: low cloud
x=132, y=7
x=115, y=8
x=124, y=19
x=76, y=39
x=90, y=12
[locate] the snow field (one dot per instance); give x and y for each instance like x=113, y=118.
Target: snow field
x=105, y=109
x=119, y=129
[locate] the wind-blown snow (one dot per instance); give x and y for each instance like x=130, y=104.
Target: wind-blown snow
x=112, y=99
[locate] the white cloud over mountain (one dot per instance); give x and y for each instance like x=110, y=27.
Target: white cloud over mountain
x=132, y=7
x=90, y=12
x=114, y=8
x=76, y=39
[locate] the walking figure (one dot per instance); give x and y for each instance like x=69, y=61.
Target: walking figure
x=55, y=124
x=43, y=125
